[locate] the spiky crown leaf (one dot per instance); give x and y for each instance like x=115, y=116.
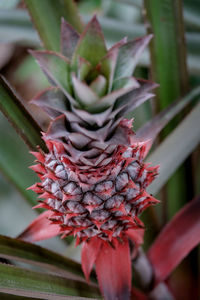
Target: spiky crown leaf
x=93, y=86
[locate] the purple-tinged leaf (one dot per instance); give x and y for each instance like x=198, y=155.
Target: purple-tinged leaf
x=134, y=98
x=83, y=93
x=129, y=55
x=118, y=44
x=40, y=229
x=152, y=128
x=113, y=268
x=79, y=140
x=56, y=67
x=107, y=66
x=176, y=240
x=180, y=143
x=110, y=99
x=92, y=119
x=52, y=101
x=102, y=132
x=57, y=129
x=134, y=103
x=124, y=82
x=69, y=39
x=98, y=85
x=91, y=44
x=145, y=86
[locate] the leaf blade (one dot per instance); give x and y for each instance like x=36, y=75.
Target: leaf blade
x=11, y=159
x=31, y=283
x=177, y=239
x=19, y=117
x=32, y=254
x=151, y=129
x=47, y=15
x=189, y=128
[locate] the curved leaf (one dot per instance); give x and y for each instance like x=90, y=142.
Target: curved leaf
x=56, y=67
x=15, y=160
x=129, y=55
x=91, y=45
x=151, y=129
x=175, y=148
x=69, y=39
x=14, y=249
x=176, y=240
x=19, y=117
x=47, y=14
x=28, y=283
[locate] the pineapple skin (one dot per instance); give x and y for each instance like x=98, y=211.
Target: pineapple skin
x=102, y=201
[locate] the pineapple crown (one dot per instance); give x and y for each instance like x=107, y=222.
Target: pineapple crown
x=92, y=89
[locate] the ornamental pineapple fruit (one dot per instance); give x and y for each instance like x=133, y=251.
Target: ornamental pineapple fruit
x=93, y=178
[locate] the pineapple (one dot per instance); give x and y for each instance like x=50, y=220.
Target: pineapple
x=93, y=179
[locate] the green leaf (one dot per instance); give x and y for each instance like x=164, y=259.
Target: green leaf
x=168, y=58
x=19, y=117
x=151, y=129
x=14, y=249
x=172, y=152
x=129, y=55
x=47, y=14
x=91, y=45
x=56, y=67
x=14, y=156
x=51, y=100
x=28, y=283
x=83, y=93
x=169, y=69
x=15, y=160
x=98, y=85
